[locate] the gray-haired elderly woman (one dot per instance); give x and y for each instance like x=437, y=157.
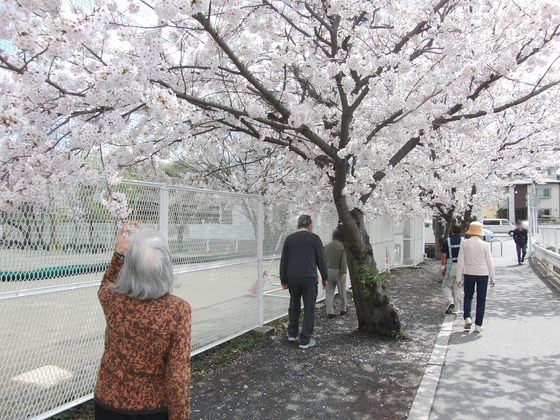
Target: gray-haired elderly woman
x=145, y=369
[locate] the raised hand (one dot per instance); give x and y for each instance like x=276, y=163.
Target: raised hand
x=124, y=238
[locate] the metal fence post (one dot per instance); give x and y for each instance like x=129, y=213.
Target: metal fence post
x=260, y=256
x=164, y=211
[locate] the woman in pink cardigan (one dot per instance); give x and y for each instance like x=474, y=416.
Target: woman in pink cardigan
x=476, y=266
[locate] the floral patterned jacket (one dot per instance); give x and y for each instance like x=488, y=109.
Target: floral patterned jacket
x=146, y=364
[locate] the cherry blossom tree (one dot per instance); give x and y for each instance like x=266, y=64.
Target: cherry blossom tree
x=462, y=178
x=330, y=99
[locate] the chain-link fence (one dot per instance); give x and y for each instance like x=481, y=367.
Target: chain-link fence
x=53, y=254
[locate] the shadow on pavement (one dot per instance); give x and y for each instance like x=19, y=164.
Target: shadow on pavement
x=504, y=388
x=461, y=337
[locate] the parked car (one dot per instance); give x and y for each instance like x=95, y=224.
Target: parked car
x=488, y=234
x=498, y=225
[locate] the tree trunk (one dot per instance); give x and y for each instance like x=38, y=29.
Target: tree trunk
x=466, y=219
x=467, y=216
x=442, y=228
x=376, y=314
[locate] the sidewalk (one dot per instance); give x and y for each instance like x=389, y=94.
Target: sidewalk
x=347, y=376
x=512, y=369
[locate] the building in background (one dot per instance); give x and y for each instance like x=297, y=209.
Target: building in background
x=491, y=212
x=548, y=192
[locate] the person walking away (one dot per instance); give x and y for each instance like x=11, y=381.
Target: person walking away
x=520, y=237
x=145, y=368
x=476, y=266
x=302, y=254
x=449, y=255
x=337, y=266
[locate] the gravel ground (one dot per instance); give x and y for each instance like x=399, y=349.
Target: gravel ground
x=348, y=375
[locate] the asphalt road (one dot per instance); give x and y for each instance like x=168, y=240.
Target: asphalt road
x=512, y=369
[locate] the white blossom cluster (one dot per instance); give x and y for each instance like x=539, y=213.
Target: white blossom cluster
x=116, y=203
x=394, y=106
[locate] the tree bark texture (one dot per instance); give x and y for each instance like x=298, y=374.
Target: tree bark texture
x=442, y=229
x=376, y=314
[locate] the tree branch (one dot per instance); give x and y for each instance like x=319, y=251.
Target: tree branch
x=267, y=95
x=64, y=91
x=442, y=120
x=395, y=159
x=201, y=102
x=97, y=56
x=287, y=144
x=380, y=126
x=287, y=19
x=419, y=28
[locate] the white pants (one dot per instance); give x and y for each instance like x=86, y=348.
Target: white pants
x=453, y=292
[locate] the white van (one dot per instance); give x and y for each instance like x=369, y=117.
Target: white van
x=498, y=225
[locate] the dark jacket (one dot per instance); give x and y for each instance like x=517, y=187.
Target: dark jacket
x=520, y=237
x=301, y=255
x=455, y=240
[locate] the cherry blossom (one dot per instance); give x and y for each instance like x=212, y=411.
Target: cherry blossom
x=377, y=106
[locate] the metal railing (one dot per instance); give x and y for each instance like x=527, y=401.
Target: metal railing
x=546, y=248
x=53, y=254
x=548, y=258
x=497, y=241
x=549, y=237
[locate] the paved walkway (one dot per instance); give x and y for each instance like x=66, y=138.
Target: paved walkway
x=512, y=369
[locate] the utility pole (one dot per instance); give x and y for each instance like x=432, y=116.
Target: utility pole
x=533, y=202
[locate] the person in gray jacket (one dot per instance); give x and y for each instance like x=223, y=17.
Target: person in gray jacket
x=338, y=267
x=302, y=254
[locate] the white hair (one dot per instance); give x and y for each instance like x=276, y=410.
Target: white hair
x=147, y=272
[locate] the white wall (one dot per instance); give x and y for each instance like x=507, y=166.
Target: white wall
x=552, y=203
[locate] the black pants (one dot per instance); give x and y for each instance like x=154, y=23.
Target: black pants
x=102, y=413
x=521, y=252
x=481, y=285
x=307, y=291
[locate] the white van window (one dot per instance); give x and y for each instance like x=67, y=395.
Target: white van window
x=506, y=223
x=491, y=222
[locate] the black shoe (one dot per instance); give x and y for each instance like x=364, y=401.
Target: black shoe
x=331, y=316
x=449, y=309
x=343, y=313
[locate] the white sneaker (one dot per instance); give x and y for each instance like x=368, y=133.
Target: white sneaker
x=292, y=339
x=468, y=323
x=306, y=346
x=478, y=328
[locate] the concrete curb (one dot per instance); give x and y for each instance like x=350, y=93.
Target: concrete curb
x=425, y=396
